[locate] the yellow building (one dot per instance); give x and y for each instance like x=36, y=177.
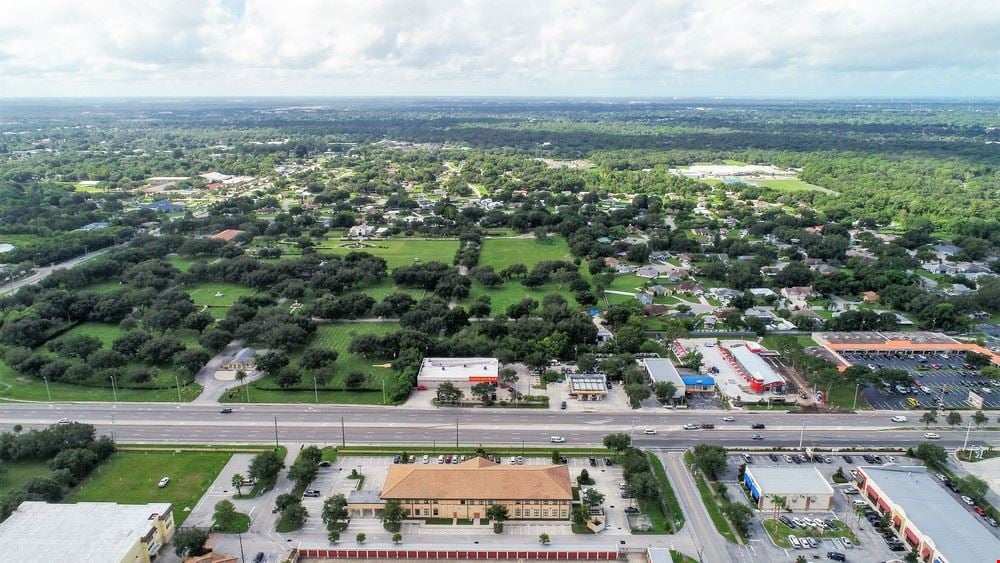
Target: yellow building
x=467, y=489
x=95, y=532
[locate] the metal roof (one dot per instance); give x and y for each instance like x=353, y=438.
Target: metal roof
x=588, y=382
x=661, y=370
x=789, y=480
x=956, y=532
x=755, y=366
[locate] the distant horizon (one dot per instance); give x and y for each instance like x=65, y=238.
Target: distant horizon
x=809, y=49
x=236, y=97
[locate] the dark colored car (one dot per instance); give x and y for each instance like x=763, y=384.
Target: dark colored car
x=631, y=510
x=836, y=556
x=593, y=461
x=757, y=426
x=772, y=457
x=226, y=410
x=259, y=558
x=607, y=461
x=848, y=459
x=708, y=426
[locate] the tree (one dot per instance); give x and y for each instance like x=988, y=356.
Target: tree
x=979, y=418
x=665, y=391
x=334, y=512
x=779, y=502
x=224, y=513
x=284, y=501
x=954, y=419
x=360, y=537
x=692, y=359
x=483, y=391
x=544, y=539
x=931, y=454
x=912, y=556
x=190, y=542
x=928, y=418
x=593, y=497
x=617, y=442
x=264, y=468
x=584, y=478
x=974, y=487
x=448, y=393
x=397, y=538
x=497, y=514
x=643, y=485
x=355, y=380
x=392, y=515
x=271, y=362
x=711, y=460
x=637, y=393
x=237, y=481
x=739, y=514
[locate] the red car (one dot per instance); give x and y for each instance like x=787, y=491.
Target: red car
x=421, y=387
x=978, y=510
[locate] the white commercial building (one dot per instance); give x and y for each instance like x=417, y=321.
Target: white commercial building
x=660, y=370
x=458, y=370
x=95, y=532
x=803, y=488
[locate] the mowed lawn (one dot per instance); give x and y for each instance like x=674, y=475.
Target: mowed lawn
x=21, y=387
x=131, y=478
x=398, y=253
x=379, y=291
x=106, y=333
x=335, y=336
x=790, y=185
x=513, y=292
x=501, y=253
x=15, y=475
x=218, y=297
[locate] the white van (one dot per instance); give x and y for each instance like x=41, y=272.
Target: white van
x=860, y=502
x=795, y=542
x=557, y=439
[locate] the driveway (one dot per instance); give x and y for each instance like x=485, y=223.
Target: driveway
x=212, y=388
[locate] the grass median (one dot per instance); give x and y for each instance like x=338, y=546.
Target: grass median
x=710, y=502
x=779, y=532
x=667, y=496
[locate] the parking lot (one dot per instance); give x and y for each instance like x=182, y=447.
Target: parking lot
x=870, y=547
x=949, y=382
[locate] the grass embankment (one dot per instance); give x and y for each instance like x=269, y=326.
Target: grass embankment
x=668, y=499
x=131, y=477
x=711, y=502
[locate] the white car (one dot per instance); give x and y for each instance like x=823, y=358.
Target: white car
x=64, y=421
x=931, y=436
x=427, y=458
x=690, y=426
x=649, y=430
x=728, y=419
x=898, y=418
x=968, y=500
x=164, y=482
x=557, y=439
x=847, y=543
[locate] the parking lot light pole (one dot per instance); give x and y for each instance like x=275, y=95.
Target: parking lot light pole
x=968, y=429
x=114, y=390
x=856, y=388
x=802, y=434
x=276, y=432
x=47, y=391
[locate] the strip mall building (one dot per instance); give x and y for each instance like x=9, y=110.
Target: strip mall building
x=925, y=516
x=875, y=343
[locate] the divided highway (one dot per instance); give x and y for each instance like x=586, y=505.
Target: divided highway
x=188, y=423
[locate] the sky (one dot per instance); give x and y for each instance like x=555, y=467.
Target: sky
x=623, y=48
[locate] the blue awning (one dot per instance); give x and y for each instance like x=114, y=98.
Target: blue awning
x=698, y=380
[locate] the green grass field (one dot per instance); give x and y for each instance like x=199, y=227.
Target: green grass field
x=208, y=294
x=335, y=336
x=181, y=263
x=22, y=388
x=628, y=282
x=513, y=292
x=104, y=332
x=399, y=253
x=132, y=477
x=379, y=291
x=790, y=185
x=14, y=475
x=501, y=253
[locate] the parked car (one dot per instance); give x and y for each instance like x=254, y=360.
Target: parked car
x=795, y=542
x=631, y=510
x=979, y=510
x=772, y=457
x=607, y=461
x=163, y=482
x=991, y=521
x=311, y=493
x=259, y=558
x=562, y=405
x=898, y=418
x=396, y=459
x=756, y=437
x=847, y=459
x=836, y=556
x=788, y=459
x=440, y=459
x=593, y=461
x=326, y=463
x=847, y=543
x=690, y=426
x=64, y=421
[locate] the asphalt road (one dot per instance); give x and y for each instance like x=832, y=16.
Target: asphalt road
x=44, y=272
x=190, y=423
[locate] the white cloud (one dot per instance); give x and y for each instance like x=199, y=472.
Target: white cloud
x=638, y=47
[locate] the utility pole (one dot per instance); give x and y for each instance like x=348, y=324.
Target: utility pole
x=114, y=390
x=275, y=432
x=243, y=558
x=343, y=435
x=112, y=428
x=802, y=434
x=47, y=391
x=456, y=431
x=968, y=429
x=383, y=391
x=856, y=388
x=315, y=389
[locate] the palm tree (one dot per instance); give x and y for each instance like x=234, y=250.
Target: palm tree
x=237, y=482
x=779, y=502
x=240, y=376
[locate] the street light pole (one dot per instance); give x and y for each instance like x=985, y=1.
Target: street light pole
x=456, y=431
x=856, y=388
x=178, y=380
x=275, y=432
x=315, y=389
x=968, y=429
x=243, y=558
x=802, y=434
x=343, y=434
x=112, y=428
x=383, y=391
x=114, y=390
x=47, y=391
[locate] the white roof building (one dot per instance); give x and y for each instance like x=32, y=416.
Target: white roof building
x=95, y=532
x=456, y=370
x=661, y=370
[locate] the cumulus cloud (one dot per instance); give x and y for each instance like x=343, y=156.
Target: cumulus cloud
x=625, y=47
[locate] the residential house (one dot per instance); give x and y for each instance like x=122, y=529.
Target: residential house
x=798, y=295
x=658, y=290
x=243, y=360
x=647, y=272
x=655, y=310
x=644, y=298
x=691, y=288
x=869, y=296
